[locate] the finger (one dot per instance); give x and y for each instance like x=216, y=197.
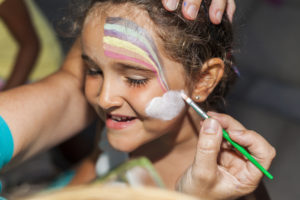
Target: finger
x=257, y=146
x=226, y=145
x=231, y=161
x=190, y=8
x=230, y=9
x=216, y=10
x=170, y=5
x=226, y=121
x=210, y=138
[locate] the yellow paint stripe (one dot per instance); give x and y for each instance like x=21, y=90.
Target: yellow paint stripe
x=129, y=46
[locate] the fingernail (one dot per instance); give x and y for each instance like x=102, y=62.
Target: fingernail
x=172, y=4
x=211, y=126
x=191, y=10
x=219, y=15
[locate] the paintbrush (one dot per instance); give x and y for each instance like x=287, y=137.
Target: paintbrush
x=226, y=136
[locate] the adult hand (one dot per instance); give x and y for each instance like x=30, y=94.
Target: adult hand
x=190, y=8
x=218, y=171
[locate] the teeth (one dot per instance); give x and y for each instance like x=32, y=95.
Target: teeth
x=116, y=118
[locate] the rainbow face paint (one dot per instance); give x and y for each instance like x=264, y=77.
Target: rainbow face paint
x=124, y=39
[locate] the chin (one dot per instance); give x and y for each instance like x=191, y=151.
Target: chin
x=124, y=144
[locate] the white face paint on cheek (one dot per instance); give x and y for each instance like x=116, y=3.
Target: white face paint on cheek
x=166, y=107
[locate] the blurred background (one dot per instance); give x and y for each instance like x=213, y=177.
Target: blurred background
x=265, y=99
x=267, y=96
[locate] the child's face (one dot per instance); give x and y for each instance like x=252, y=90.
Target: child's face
x=120, y=81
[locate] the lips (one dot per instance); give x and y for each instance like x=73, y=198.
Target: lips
x=119, y=121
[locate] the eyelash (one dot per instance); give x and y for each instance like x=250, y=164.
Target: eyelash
x=137, y=82
x=93, y=72
x=132, y=82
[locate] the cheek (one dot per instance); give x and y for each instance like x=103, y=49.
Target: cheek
x=92, y=86
x=140, y=97
x=158, y=127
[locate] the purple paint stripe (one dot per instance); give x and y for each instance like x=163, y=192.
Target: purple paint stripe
x=130, y=24
x=132, y=40
x=133, y=26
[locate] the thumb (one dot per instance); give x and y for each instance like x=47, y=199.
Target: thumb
x=208, y=148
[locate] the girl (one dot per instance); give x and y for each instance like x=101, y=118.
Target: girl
x=137, y=55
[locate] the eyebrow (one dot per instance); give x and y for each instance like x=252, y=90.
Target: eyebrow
x=135, y=68
x=122, y=65
x=89, y=60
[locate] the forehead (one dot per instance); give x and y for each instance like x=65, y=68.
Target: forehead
x=127, y=28
x=133, y=17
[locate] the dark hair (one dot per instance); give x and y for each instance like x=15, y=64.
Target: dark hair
x=188, y=42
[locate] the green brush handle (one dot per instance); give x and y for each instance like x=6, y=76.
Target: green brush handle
x=246, y=154
x=226, y=136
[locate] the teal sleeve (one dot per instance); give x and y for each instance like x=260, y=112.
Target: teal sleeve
x=62, y=181
x=6, y=143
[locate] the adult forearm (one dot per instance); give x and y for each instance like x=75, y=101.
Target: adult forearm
x=45, y=113
x=24, y=63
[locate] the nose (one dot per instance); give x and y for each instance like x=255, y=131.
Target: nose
x=109, y=96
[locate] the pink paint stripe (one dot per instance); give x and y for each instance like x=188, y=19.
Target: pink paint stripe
x=123, y=51
x=123, y=57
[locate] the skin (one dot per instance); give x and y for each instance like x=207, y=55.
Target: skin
x=208, y=168
x=21, y=28
x=52, y=104
x=220, y=168
x=216, y=10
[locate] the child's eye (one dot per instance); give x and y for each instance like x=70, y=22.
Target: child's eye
x=137, y=82
x=93, y=72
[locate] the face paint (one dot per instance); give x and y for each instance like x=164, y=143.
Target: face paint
x=166, y=107
x=123, y=39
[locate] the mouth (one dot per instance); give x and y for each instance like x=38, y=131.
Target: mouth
x=119, y=121
x=120, y=118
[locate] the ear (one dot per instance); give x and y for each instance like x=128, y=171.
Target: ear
x=208, y=78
